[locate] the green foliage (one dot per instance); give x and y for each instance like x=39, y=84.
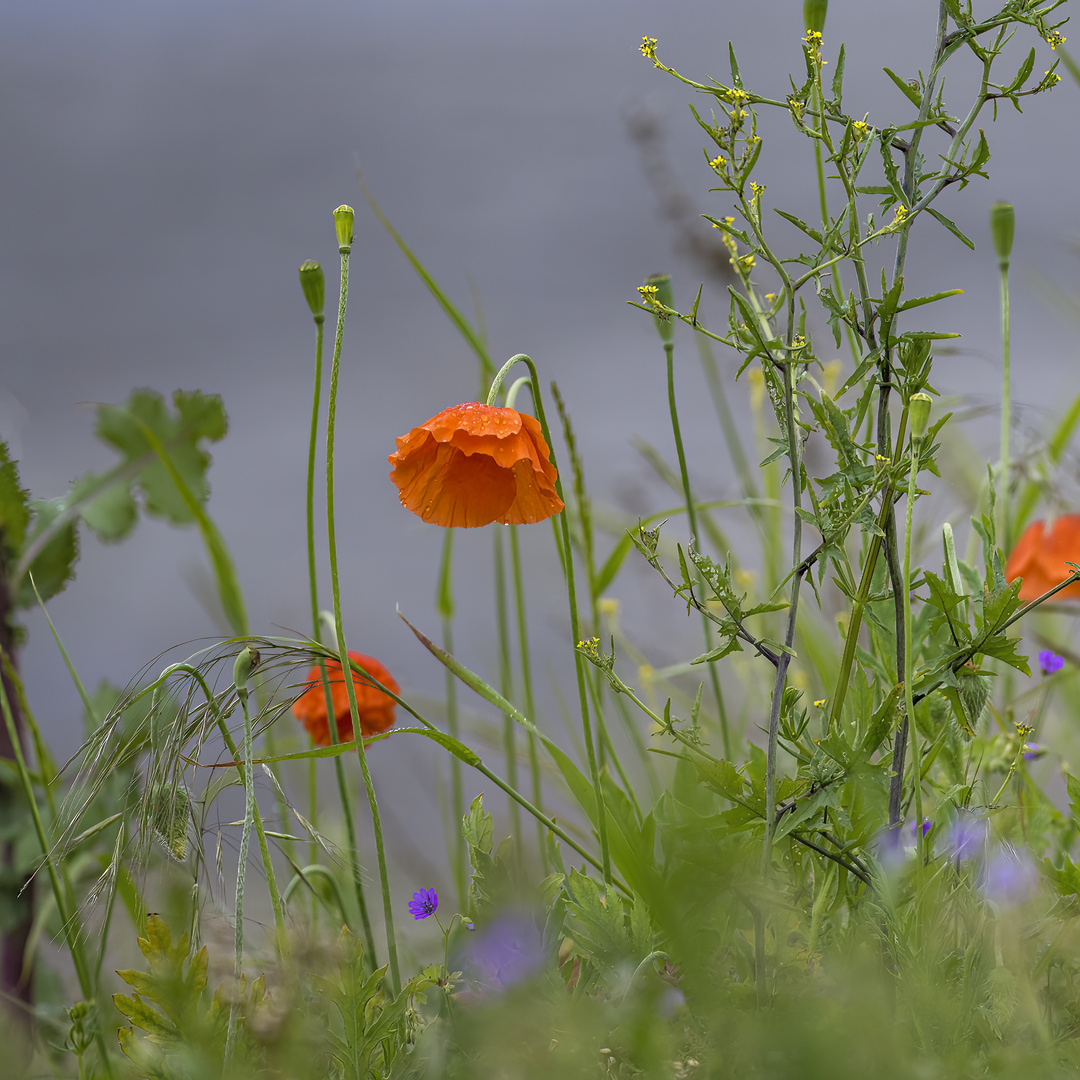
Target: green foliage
x=54, y=565
x=375, y=1028
x=14, y=505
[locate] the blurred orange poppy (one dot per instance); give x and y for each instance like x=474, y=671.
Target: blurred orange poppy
x=375, y=709
x=1040, y=555
x=474, y=464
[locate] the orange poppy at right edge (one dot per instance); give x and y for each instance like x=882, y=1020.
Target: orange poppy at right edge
x=1040, y=555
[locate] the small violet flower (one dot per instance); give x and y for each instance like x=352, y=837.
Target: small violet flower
x=1009, y=877
x=505, y=952
x=1050, y=662
x=423, y=903
x=966, y=838
x=925, y=828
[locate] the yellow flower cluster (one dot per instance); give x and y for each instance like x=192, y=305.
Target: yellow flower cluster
x=901, y=214
x=1054, y=39
x=648, y=294
x=648, y=48
x=1024, y=730
x=862, y=129
x=718, y=162
x=744, y=264
x=813, y=42
x=757, y=189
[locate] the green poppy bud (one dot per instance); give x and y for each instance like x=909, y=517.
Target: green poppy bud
x=813, y=13
x=1002, y=227
x=919, y=415
x=313, y=284
x=659, y=294
x=343, y=224
x=247, y=660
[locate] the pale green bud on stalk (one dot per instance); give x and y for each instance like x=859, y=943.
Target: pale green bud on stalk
x=247, y=660
x=1002, y=227
x=665, y=297
x=919, y=416
x=814, y=14
x=313, y=284
x=343, y=225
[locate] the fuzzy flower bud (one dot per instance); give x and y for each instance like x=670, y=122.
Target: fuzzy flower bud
x=247, y=660
x=662, y=297
x=313, y=284
x=814, y=14
x=919, y=415
x=343, y=225
x=1002, y=227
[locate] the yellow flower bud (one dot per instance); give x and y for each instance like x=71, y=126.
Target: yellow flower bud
x=664, y=297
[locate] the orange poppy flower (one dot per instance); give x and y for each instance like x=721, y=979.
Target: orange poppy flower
x=474, y=464
x=1040, y=555
x=376, y=709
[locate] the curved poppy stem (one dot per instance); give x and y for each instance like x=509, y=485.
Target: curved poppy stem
x=575, y=623
x=343, y=655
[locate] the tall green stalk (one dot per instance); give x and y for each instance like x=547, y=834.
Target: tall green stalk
x=575, y=622
x=1002, y=227
x=920, y=415
x=666, y=329
x=244, y=666
x=313, y=284
x=502, y=626
x=526, y=686
x=456, y=838
x=343, y=220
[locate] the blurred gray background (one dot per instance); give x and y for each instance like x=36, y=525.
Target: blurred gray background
x=167, y=166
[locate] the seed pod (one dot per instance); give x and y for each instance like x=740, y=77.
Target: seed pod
x=1002, y=227
x=919, y=416
x=343, y=225
x=313, y=284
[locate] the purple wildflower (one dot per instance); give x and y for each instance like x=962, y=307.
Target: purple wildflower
x=1009, y=877
x=925, y=828
x=1033, y=751
x=1050, y=662
x=423, y=903
x=966, y=838
x=505, y=952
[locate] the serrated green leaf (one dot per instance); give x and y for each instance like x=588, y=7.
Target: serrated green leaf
x=478, y=828
x=198, y=416
x=146, y=1017
x=112, y=514
x=14, y=505
x=54, y=566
